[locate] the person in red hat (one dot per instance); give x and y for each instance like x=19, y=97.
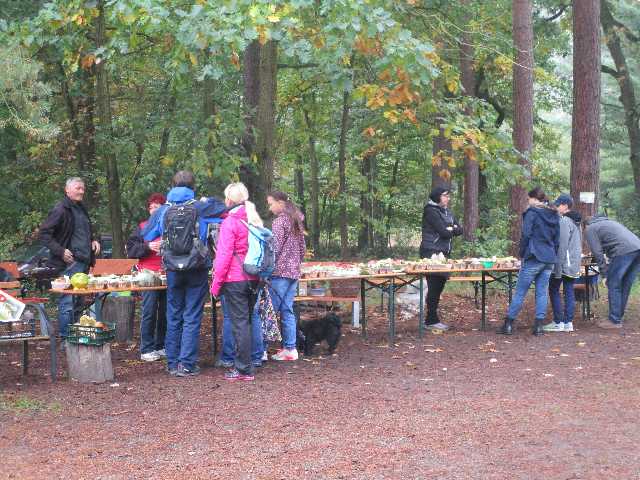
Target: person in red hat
x=153, y=324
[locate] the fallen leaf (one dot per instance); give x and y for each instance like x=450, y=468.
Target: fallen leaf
x=578, y=368
x=564, y=354
x=493, y=360
x=409, y=364
x=549, y=375
x=581, y=344
x=433, y=350
x=114, y=385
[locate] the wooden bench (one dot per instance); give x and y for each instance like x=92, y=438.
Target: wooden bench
x=46, y=328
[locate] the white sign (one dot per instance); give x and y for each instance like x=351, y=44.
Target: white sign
x=588, y=197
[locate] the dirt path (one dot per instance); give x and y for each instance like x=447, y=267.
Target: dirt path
x=463, y=405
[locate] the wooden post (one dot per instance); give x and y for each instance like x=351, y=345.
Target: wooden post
x=121, y=312
x=89, y=363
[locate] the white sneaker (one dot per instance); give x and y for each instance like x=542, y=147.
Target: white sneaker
x=150, y=357
x=286, y=355
x=161, y=353
x=553, y=327
x=568, y=327
x=438, y=326
x=265, y=356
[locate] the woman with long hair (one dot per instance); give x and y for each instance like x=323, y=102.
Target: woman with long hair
x=230, y=279
x=538, y=250
x=289, y=246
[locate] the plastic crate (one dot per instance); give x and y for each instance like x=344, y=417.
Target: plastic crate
x=82, y=335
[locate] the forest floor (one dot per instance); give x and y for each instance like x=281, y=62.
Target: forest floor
x=466, y=404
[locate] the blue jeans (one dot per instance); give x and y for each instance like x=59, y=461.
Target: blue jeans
x=532, y=271
x=561, y=315
x=228, y=354
x=153, y=324
x=186, y=292
x=623, y=270
x=66, y=302
x=283, y=290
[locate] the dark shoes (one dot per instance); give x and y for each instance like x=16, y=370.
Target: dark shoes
x=187, y=372
x=538, y=328
x=507, y=328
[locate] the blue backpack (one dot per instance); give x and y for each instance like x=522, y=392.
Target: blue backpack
x=261, y=257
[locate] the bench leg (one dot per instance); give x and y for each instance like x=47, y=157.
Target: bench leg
x=355, y=314
x=476, y=289
x=25, y=357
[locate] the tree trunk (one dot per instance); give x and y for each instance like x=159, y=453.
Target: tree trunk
x=365, y=238
x=266, y=122
x=627, y=90
x=299, y=184
x=315, y=184
x=104, y=113
x=166, y=131
x=522, y=108
x=251, y=78
x=585, y=127
x=342, y=189
x=471, y=167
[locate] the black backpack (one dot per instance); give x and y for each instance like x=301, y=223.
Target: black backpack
x=182, y=248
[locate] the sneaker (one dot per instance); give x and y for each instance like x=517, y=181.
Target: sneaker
x=437, y=326
x=187, y=372
x=257, y=364
x=607, y=324
x=150, y=357
x=234, y=375
x=568, y=327
x=222, y=364
x=161, y=353
x=172, y=371
x=285, y=355
x=265, y=356
x=553, y=327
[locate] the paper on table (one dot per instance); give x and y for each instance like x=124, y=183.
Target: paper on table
x=10, y=307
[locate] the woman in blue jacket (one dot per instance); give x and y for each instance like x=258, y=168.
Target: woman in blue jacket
x=538, y=250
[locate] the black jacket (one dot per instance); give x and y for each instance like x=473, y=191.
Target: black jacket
x=436, y=238
x=56, y=232
x=136, y=246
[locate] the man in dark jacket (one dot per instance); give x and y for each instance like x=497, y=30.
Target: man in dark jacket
x=439, y=226
x=622, y=249
x=68, y=234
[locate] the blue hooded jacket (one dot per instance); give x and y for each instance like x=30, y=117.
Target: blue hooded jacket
x=540, y=234
x=210, y=208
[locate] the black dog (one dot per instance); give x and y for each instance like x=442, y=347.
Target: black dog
x=311, y=332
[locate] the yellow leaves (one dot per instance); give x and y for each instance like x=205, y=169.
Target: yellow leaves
x=201, y=2
x=411, y=2
x=79, y=19
x=452, y=84
x=410, y=115
x=87, y=61
x=273, y=18
x=167, y=161
x=392, y=116
x=318, y=42
x=445, y=175
x=503, y=64
x=385, y=75
x=368, y=46
x=457, y=142
x=346, y=60
x=433, y=57
x=369, y=132
x=470, y=153
x=235, y=60
x=263, y=34
x=193, y=59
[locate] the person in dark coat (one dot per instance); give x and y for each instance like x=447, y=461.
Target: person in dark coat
x=538, y=251
x=153, y=321
x=622, y=248
x=68, y=234
x=439, y=226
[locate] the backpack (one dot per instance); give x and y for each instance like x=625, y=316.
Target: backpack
x=212, y=226
x=182, y=248
x=261, y=258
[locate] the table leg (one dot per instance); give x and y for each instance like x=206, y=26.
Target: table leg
x=214, y=326
x=483, y=317
x=363, y=308
x=25, y=357
x=391, y=303
x=421, y=314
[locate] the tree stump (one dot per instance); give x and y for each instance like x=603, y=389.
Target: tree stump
x=121, y=312
x=89, y=363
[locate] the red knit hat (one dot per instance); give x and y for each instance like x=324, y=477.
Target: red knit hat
x=158, y=198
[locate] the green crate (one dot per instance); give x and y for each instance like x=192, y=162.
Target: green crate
x=82, y=335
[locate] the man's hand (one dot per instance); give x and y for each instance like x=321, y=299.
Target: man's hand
x=68, y=257
x=155, y=246
x=450, y=229
x=95, y=246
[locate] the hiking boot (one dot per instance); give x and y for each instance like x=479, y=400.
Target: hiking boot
x=286, y=355
x=234, y=375
x=537, y=328
x=150, y=357
x=507, y=328
x=187, y=372
x=554, y=327
x=607, y=324
x=568, y=327
x=172, y=370
x=223, y=364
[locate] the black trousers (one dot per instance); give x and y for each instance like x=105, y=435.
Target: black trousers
x=240, y=298
x=435, y=286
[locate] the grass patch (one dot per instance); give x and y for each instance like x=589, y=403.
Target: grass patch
x=24, y=404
